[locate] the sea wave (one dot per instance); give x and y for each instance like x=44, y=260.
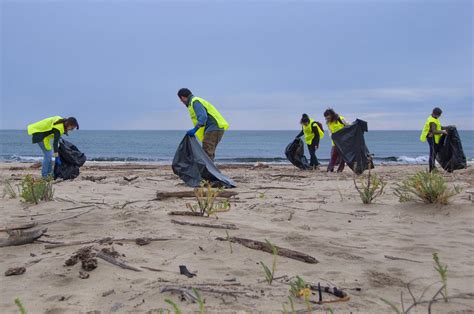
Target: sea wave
x=400, y=160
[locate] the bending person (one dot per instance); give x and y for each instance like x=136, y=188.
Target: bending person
x=209, y=124
x=312, y=135
x=335, y=122
x=50, y=129
x=432, y=132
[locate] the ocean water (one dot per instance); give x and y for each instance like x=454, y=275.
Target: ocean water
x=401, y=147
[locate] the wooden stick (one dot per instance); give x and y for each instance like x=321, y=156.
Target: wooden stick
x=180, y=194
x=115, y=262
x=27, y=225
x=103, y=240
x=206, y=225
x=400, y=259
x=130, y=179
x=185, y=213
x=262, y=246
x=22, y=237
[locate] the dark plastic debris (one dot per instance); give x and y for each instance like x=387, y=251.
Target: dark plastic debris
x=72, y=159
x=184, y=271
x=295, y=154
x=450, y=153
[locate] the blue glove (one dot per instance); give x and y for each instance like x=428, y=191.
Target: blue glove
x=193, y=131
x=57, y=161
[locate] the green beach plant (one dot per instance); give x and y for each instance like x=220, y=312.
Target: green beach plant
x=33, y=190
x=428, y=187
x=270, y=274
x=370, y=188
x=200, y=301
x=175, y=307
x=20, y=306
x=8, y=189
x=443, y=274
x=298, y=287
x=206, y=200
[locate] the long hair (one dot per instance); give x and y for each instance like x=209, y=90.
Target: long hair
x=304, y=118
x=331, y=113
x=71, y=121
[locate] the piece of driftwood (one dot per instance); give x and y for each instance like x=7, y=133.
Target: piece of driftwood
x=115, y=262
x=15, y=271
x=93, y=178
x=103, y=240
x=19, y=237
x=130, y=179
x=188, y=294
x=206, y=225
x=27, y=225
x=400, y=259
x=185, y=213
x=262, y=246
x=180, y=194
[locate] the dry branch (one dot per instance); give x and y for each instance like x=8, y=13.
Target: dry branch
x=400, y=259
x=27, y=225
x=22, y=237
x=103, y=240
x=262, y=246
x=206, y=225
x=180, y=194
x=115, y=262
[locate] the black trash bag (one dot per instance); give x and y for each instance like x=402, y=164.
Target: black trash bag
x=295, y=154
x=193, y=166
x=71, y=160
x=350, y=144
x=450, y=153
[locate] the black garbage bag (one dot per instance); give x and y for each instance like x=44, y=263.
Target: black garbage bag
x=295, y=154
x=71, y=160
x=450, y=153
x=350, y=144
x=192, y=165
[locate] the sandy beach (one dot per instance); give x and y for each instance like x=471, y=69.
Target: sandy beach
x=368, y=251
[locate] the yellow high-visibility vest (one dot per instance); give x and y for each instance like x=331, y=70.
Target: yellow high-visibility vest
x=46, y=125
x=336, y=126
x=427, y=129
x=308, y=132
x=211, y=110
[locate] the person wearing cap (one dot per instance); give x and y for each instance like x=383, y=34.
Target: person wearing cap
x=48, y=129
x=313, y=133
x=209, y=124
x=432, y=132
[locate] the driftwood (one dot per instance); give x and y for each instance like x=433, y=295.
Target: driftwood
x=115, y=262
x=188, y=294
x=103, y=240
x=130, y=179
x=185, y=213
x=400, y=259
x=93, y=178
x=262, y=246
x=27, y=225
x=22, y=237
x=180, y=194
x=206, y=225
x=275, y=188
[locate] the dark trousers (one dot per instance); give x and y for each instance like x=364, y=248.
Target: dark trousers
x=434, y=148
x=335, y=159
x=312, y=153
x=210, y=141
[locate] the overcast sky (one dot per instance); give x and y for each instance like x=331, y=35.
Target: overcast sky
x=119, y=64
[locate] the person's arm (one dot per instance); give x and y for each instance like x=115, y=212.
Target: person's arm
x=300, y=134
x=316, y=134
x=201, y=114
x=434, y=131
x=57, y=136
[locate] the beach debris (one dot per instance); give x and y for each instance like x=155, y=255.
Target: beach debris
x=143, y=241
x=186, y=293
x=83, y=275
x=185, y=213
x=27, y=225
x=184, y=271
x=181, y=194
x=107, y=293
x=94, y=178
x=107, y=240
x=115, y=261
x=276, y=188
x=130, y=179
x=400, y=259
x=86, y=256
x=262, y=246
x=36, y=165
x=206, y=225
x=20, y=237
x=14, y=271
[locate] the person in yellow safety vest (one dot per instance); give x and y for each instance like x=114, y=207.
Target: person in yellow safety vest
x=48, y=129
x=209, y=124
x=432, y=132
x=335, y=122
x=312, y=135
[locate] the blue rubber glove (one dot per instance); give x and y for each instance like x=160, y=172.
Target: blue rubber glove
x=57, y=161
x=192, y=132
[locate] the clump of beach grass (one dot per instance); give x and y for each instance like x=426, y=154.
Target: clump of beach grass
x=206, y=203
x=33, y=190
x=370, y=187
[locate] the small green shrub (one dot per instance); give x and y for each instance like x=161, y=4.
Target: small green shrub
x=21, y=308
x=33, y=190
x=443, y=274
x=370, y=188
x=200, y=301
x=269, y=274
x=428, y=187
x=299, y=288
x=206, y=200
x=175, y=307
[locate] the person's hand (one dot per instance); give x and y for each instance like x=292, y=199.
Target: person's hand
x=191, y=132
x=444, y=132
x=57, y=160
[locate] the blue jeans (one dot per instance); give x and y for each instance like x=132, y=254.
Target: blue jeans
x=47, y=166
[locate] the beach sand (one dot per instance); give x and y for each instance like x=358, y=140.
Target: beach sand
x=316, y=213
